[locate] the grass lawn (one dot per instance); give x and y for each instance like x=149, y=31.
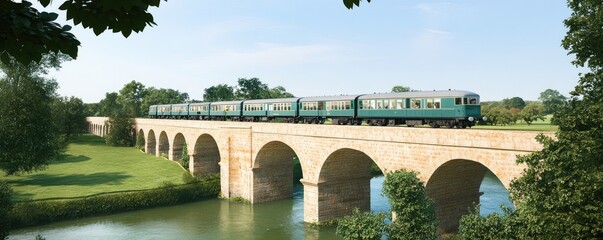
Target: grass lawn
x=92, y=167
x=538, y=125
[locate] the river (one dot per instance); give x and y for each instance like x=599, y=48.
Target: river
x=222, y=219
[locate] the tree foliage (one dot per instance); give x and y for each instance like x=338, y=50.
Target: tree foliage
x=560, y=193
x=70, y=116
x=120, y=130
x=552, y=100
x=220, y=92
x=351, y=3
x=251, y=88
x=30, y=34
x=29, y=137
x=532, y=112
x=400, y=88
x=415, y=212
x=514, y=102
x=361, y=225
x=160, y=96
x=130, y=97
x=6, y=204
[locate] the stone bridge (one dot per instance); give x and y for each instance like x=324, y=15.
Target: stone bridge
x=255, y=160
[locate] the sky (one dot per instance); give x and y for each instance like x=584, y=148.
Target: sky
x=498, y=49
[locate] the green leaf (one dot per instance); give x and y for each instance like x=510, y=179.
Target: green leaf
x=44, y=3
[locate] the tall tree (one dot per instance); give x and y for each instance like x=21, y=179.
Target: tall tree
x=532, y=112
x=559, y=195
x=279, y=92
x=220, y=92
x=251, y=88
x=514, y=102
x=29, y=138
x=552, y=100
x=400, y=88
x=109, y=105
x=71, y=118
x=31, y=34
x=131, y=96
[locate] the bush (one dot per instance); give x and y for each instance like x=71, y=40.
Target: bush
x=493, y=226
x=361, y=226
x=416, y=218
x=38, y=212
x=6, y=203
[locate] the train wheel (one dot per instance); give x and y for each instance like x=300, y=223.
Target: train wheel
x=322, y=121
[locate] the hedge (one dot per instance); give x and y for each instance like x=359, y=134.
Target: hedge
x=32, y=213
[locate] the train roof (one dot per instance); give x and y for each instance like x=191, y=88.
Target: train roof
x=329, y=98
x=200, y=103
x=271, y=100
x=226, y=102
x=179, y=104
x=420, y=94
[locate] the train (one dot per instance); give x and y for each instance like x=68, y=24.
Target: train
x=446, y=108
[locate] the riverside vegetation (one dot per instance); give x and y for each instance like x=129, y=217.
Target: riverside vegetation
x=97, y=179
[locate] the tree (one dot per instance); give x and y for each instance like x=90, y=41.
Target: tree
x=251, y=88
x=220, y=92
x=29, y=138
x=361, y=225
x=552, y=100
x=559, y=193
x=532, y=112
x=120, y=130
x=70, y=116
x=514, y=102
x=31, y=34
x=415, y=212
x=131, y=96
x=279, y=92
x=109, y=105
x=400, y=88
x=160, y=96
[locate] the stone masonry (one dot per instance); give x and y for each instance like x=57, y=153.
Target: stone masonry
x=255, y=160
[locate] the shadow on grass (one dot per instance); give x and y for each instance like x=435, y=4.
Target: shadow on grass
x=72, y=159
x=45, y=180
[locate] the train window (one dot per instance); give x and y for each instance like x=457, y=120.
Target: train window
x=458, y=101
x=437, y=103
x=465, y=101
x=347, y=105
x=379, y=104
x=400, y=104
x=385, y=104
x=430, y=103
x=473, y=101
x=415, y=103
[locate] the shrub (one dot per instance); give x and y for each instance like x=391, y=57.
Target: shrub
x=6, y=203
x=361, y=226
x=38, y=212
x=416, y=218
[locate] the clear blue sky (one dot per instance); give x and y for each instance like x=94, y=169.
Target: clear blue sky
x=499, y=49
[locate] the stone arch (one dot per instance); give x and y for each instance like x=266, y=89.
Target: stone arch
x=344, y=184
x=454, y=186
x=151, y=143
x=164, y=145
x=178, y=146
x=206, y=156
x=273, y=172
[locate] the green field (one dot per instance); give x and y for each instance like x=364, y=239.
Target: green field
x=91, y=167
x=522, y=126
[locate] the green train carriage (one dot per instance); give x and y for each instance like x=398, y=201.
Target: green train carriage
x=452, y=108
